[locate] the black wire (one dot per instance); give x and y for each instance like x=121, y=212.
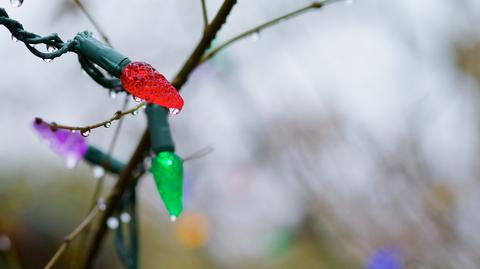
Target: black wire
x=127, y=250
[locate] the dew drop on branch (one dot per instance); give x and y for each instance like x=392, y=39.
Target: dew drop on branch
x=135, y=112
x=107, y=124
x=85, y=132
x=256, y=36
x=47, y=60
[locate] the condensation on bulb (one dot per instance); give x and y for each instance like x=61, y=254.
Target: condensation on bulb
x=173, y=218
x=98, y=171
x=136, y=99
x=173, y=111
x=112, y=223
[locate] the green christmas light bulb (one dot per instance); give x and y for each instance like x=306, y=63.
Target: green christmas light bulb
x=167, y=170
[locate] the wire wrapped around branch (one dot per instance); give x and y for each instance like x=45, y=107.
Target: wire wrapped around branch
x=98, y=76
x=55, y=46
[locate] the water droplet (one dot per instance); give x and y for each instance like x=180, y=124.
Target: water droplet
x=47, y=60
x=125, y=217
x=173, y=111
x=136, y=99
x=107, y=124
x=173, y=218
x=16, y=3
x=256, y=36
x=50, y=48
x=14, y=38
x=112, y=223
x=113, y=94
x=98, y=171
x=135, y=112
x=5, y=242
x=71, y=161
x=101, y=204
x=85, y=132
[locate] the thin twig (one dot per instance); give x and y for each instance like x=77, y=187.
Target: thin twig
x=71, y=236
x=93, y=21
x=142, y=148
x=99, y=185
x=118, y=115
x=205, y=13
x=199, y=154
x=257, y=29
x=93, y=208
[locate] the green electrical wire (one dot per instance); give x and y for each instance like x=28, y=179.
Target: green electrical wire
x=127, y=240
x=91, y=52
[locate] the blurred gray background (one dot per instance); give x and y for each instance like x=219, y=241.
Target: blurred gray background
x=344, y=130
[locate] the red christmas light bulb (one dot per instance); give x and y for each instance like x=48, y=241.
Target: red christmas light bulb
x=143, y=81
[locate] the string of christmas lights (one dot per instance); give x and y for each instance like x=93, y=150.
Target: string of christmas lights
x=117, y=73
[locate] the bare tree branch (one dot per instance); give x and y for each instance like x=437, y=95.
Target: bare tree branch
x=71, y=236
x=138, y=156
x=85, y=130
x=257, y=29
x=93, y=21
x=205, y=13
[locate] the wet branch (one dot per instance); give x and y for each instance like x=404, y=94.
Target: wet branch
x=142, y=149
x=258, y=29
